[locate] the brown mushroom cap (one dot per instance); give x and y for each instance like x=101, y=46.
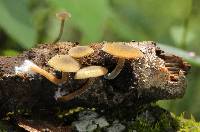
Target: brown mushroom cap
x=122, y=51
x=90, y=71
x=64, y=63
x=63, y=15
x=80, y=51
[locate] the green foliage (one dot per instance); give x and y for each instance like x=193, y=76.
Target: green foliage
x=88, y=16
x=10, y=52
x=16, y=21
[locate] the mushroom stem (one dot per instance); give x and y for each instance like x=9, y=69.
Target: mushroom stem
x=61, y=31
x=49, y=76
x=72, y=95
x=117, y=70
x=64, y=76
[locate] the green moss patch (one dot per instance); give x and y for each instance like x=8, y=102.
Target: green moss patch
x=156, y=119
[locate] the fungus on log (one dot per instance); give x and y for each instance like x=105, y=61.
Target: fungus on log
x=140, y=81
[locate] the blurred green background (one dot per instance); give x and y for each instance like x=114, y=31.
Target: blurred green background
x=175, y=24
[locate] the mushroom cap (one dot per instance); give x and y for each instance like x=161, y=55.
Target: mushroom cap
x=80, y=51
x=63, y=15
x=90, y=71
x=122, y=51
x=64, y=63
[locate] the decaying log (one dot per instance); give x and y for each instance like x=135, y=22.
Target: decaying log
x=154, y=77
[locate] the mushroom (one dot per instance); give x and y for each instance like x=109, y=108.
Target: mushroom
x=80, y=51
x=31, y=68
x=62, y=16
x=62, y=63
x=90, y=73
x=65, y=64
x=123, y=52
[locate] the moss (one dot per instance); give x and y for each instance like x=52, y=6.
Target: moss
x=143, y=124
x=162, y=121
x=187, y=125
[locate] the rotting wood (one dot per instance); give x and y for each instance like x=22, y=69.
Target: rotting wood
x=140, y=81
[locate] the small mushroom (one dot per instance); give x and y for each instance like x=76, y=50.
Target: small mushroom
x=62, y=63
x=62, y=16
x=80, y=51
x=123, y=52
x=65, y=64
x=90, y=73
x=31, y=68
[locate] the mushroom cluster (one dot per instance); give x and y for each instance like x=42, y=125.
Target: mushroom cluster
x=69, y=64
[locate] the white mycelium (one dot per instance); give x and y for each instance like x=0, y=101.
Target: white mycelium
x=25, y=68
